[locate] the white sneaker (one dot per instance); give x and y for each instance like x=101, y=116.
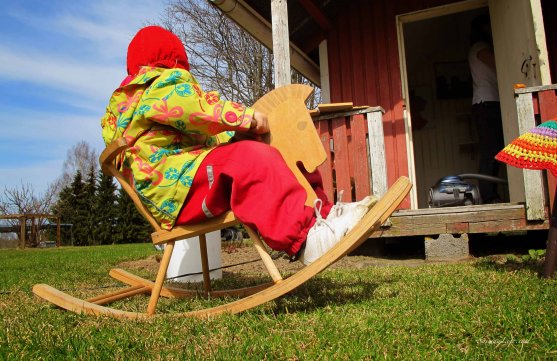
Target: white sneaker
x=326, y=233
x=349, y=214
x=321, y=237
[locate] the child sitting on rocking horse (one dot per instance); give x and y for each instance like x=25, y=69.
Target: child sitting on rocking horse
x=186, y=166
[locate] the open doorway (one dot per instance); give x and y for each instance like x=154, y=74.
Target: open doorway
x=439, y=100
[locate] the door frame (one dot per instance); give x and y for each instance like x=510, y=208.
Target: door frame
x=402, y=19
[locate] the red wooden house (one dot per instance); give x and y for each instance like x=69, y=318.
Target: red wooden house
x=408, y=58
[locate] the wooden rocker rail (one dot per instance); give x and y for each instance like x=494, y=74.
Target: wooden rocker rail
x=370, y=223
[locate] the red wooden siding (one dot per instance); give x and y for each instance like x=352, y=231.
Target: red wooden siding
x=364, y=69
x=347, y=165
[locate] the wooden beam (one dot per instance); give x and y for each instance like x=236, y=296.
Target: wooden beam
x=281, y=42
x=502, y=217
x=316, y=13
x=28, y=215
x=248, y=19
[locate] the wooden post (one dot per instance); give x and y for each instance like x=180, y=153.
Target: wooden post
x=377, y=158
x=281, y=42
x=34, y=235
x=205, y=264
x=533, y=182
x=58, y=231
x=23, y=230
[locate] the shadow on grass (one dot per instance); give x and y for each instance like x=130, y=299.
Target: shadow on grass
x=510, y=263
x=316, y=293
x=321, y=292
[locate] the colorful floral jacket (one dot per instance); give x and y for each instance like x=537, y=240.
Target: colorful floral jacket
x=170, y=125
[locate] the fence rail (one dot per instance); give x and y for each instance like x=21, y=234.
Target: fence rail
x=34, y=226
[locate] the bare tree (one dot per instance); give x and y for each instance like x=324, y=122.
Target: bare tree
x=223, y=56
x=80, y=157
x=22, y=200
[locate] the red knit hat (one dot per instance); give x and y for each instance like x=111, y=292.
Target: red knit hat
x=156, y=46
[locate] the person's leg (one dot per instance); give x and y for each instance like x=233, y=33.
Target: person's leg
x=253, y=181
x=490, y=130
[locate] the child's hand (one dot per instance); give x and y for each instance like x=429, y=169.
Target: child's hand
x=259, y=127
x=260, y=123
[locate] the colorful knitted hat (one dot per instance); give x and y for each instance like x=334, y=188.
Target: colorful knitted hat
x=536, y=149
x=156, y=46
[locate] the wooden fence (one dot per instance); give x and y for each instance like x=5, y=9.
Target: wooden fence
x=34, y=226
x=354, y=142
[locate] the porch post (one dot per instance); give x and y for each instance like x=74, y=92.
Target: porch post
x=281, y=42
x=377, y=159
x=533, y=182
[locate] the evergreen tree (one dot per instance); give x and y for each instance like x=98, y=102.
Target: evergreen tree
x=63, y=208
x=71, y=208
x=88, y=212
x=132, y=227
x=79, y=211
x=106, y=210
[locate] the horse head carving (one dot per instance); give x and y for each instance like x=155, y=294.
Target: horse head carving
x=292, y=130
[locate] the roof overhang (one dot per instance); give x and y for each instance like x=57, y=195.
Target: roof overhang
x=261, y=29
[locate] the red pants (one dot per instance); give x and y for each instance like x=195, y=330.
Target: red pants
x=252, y=180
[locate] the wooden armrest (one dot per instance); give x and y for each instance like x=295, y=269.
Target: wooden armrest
x=110, y=153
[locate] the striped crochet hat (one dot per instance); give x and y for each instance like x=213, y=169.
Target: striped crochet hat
x=536, y=149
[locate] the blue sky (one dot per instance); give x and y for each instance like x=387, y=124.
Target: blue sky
x=59, y=63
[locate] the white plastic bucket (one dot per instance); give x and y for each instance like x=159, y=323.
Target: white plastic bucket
x=186, y=258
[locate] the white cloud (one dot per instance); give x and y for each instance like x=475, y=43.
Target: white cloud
x=43, y=142
x=56, y=128
x=93, y=81
x=39, y=175
x=107, y=26
x=75, y=61
x=104, y=28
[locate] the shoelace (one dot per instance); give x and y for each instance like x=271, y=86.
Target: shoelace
x=317, y=205
x=337, y=208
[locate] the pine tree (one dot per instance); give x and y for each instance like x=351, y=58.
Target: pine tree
x=87, y=211
x=70, y=207
x=132, y=227
x=64, y=210
x=106, y=210
x=79, y=211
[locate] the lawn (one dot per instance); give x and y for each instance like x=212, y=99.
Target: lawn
x=474, y=310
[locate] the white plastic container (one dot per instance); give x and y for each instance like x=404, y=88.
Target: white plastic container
x=186, y=258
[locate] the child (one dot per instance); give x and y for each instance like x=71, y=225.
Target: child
x=186, y=166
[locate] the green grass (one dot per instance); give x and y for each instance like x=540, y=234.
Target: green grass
x=477, y=310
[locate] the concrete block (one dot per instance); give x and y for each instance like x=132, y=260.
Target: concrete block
x=447, y=247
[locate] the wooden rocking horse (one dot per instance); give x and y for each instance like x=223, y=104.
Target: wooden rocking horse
x=293, y=133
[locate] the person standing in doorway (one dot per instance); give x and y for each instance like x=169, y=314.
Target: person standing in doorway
x=486, y=110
